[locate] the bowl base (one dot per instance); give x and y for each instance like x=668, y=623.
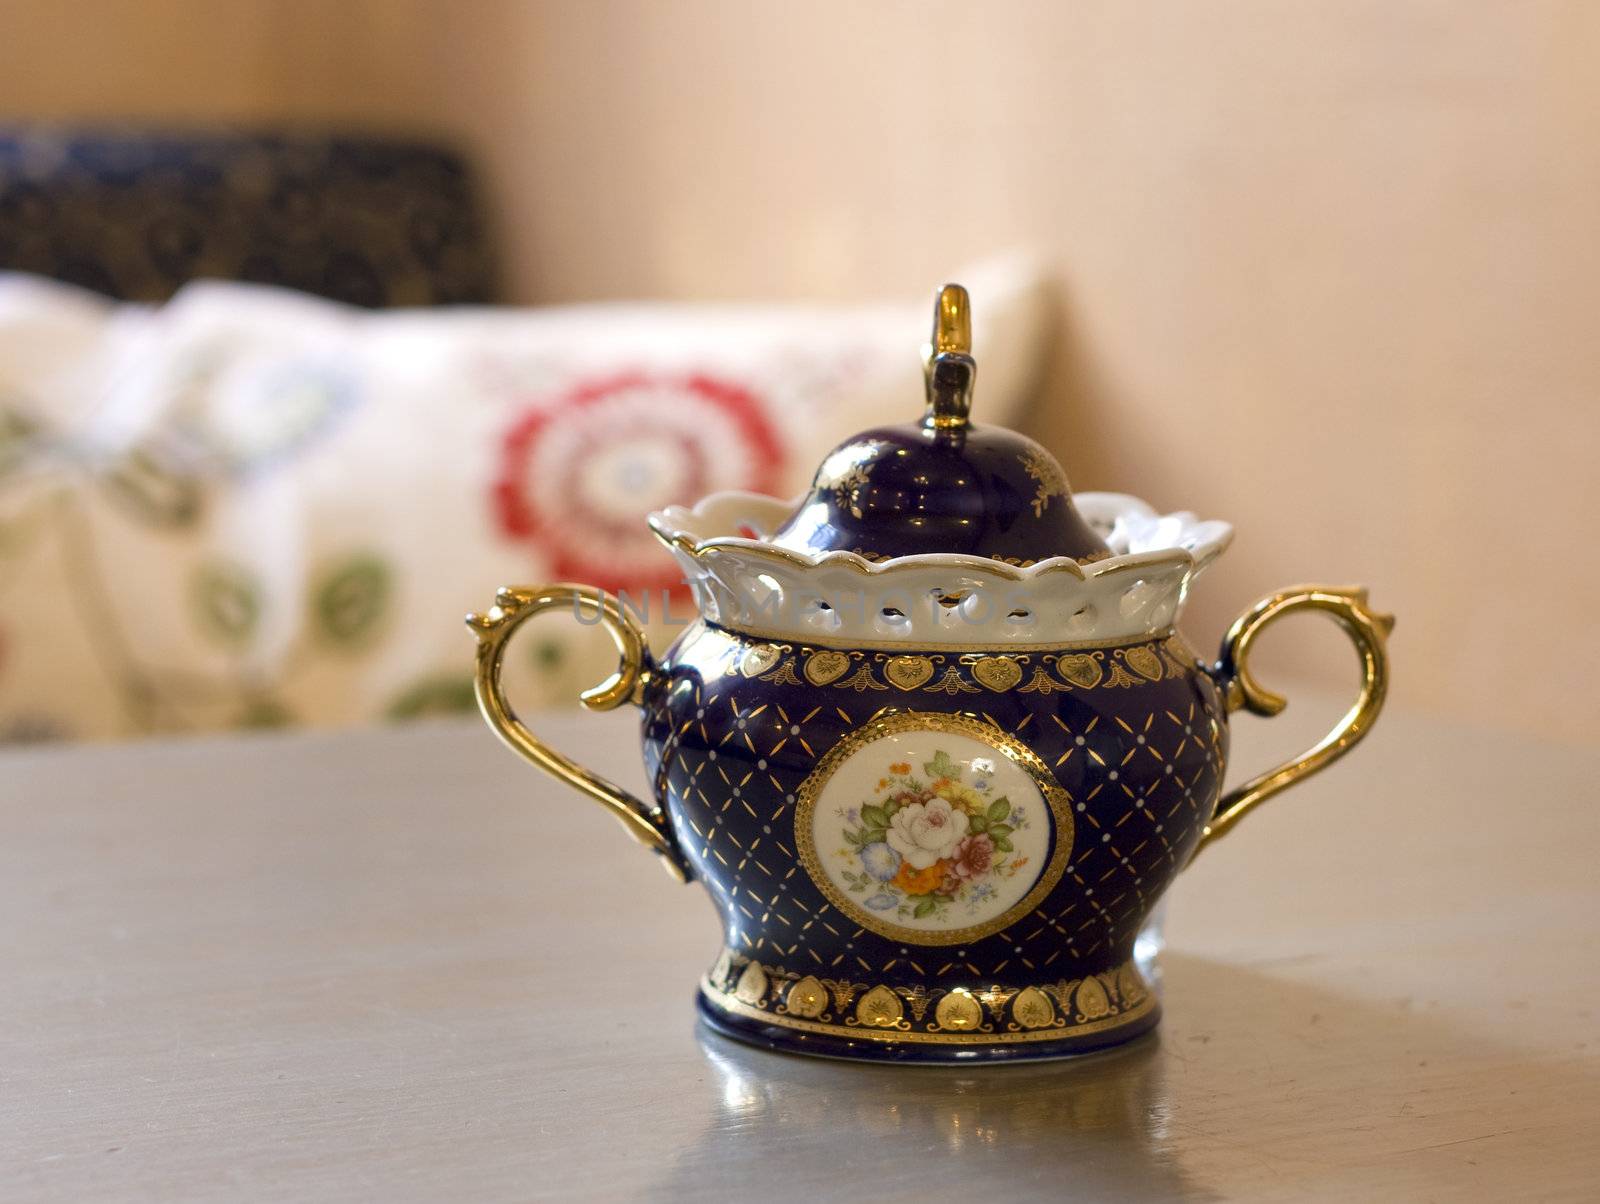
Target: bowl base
x=786, y=1034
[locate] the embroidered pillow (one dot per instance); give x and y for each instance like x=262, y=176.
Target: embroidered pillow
x=250, y=506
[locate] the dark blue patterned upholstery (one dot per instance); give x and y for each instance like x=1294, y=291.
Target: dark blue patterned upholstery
x=135, y=215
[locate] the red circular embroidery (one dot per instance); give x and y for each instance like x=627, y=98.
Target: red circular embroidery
x=578, y=473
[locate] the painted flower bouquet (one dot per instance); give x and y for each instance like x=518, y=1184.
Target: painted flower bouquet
x=931, y=842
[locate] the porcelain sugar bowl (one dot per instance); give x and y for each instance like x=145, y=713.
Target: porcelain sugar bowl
x=933, y=742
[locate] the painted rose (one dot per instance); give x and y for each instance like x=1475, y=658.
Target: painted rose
x=924, y=832
x=928, y=846
x=970, y=860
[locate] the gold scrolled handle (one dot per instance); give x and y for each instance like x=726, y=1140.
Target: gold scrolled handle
x=516, y=605
x=1368, y=630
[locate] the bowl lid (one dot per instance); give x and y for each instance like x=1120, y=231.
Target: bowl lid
x=942, y=484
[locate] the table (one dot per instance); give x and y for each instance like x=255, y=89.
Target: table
x=400, y=965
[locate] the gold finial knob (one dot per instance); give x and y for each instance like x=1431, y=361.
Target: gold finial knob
x=948, y=368
x=952, y=321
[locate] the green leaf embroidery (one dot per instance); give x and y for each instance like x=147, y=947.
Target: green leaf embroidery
x=351, y=599
x=1000, y=831
x=1003, y=845
x=153, y=490
x=227, y=601
x=942, y=767
x=873, y=835
x=977, y=824
x=445, y=694
x=999, y=809
x=16, y=431
x=547, y=655
x=923, y=908
x=852, y=837
x=874, y=817
x=264, y=713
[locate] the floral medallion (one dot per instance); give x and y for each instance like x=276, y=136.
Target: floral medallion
x=260, y=411
x=935, y=829
x=575, y=469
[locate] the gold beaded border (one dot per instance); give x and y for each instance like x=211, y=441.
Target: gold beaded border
x=955, y=671
x=892, y=723
x=1095, y=1003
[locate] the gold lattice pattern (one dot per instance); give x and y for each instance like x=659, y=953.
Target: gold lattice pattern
x=730, y=759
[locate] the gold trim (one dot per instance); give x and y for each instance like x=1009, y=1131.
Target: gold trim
x=807, y=998
x=959, y=1016
x=513, y=607
x=1368, y=630
x=866, y=645
x=958, y=1012
x=892, y=723
x=997, y=670
x=759, y=658
x=826, y=666
x=908, y=672
x=1048, y=478
x=997, y=673
x=1016, y=562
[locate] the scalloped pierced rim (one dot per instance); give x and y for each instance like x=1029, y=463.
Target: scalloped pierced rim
x=743, y=581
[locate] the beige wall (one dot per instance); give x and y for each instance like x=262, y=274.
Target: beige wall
x=1329, y=269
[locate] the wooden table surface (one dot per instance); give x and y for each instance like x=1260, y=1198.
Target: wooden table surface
x=400, y=965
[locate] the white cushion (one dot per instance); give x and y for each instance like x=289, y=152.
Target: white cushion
x=250, y=505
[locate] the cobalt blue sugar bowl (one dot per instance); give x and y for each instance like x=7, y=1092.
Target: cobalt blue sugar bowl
x=933, y=742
